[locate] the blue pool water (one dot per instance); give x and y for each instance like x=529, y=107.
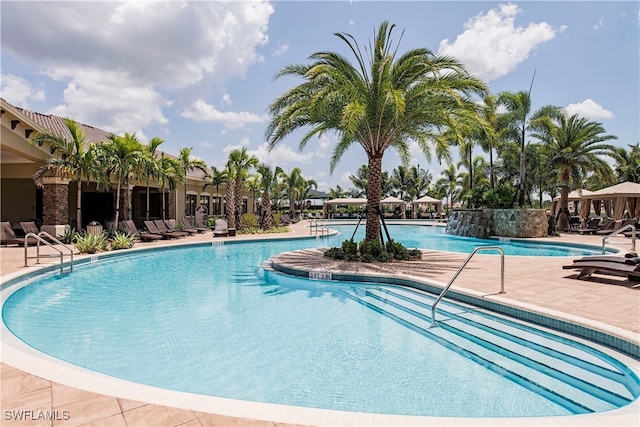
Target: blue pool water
x=210, y=320
x=433, y=237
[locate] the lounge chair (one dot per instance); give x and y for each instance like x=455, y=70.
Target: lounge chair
x=31, y=227
x=285, y=219
x=8, y=236
x=153, y=229
x=129, y=227
x=222, y=228
x=170, y=228
x=187, y=226
x=162, y=226
x=591, y=227
x=606, y=228
x=628, y=266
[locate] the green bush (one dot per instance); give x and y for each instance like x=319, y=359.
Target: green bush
x=91, y=243
x=249, y=222
x=122, y=241
x=500, y=197
x=373, y=251
x=69, y=235
x=277, y=219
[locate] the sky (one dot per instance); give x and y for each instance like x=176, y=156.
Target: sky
x=201, y=73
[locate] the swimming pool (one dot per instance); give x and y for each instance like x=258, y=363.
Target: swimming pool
x=209, y=320
x=433, y=237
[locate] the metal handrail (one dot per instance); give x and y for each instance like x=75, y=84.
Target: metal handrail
x=39, y=239
x=618, y=231
x=315, y=223
x=444, y=291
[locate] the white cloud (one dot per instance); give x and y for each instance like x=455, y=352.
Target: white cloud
x=492, y=46
x=281, y=50
x=589, y=109
x=120, y=56
x=226, y=99
x=282, y=155
x=599, y=24
x=19, y=91
x=200, y=111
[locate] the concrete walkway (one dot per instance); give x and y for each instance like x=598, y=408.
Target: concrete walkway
x=539, y=283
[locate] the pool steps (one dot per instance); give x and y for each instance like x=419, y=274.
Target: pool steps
x=563, y=371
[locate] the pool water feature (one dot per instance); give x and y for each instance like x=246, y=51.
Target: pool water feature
x=209, y=320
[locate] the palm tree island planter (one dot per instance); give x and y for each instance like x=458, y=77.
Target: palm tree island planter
x=483, y=223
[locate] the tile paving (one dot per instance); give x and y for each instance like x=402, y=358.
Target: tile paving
x=538, y=283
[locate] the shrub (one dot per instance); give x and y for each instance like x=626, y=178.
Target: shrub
x=372, y=251
x=249, y=222
x=91, y=243
x=277, y=219
x=500, y=197
x=122, y=241
x=69, y=235
x=553, y=226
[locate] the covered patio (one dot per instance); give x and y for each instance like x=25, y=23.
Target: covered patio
x=618, y=200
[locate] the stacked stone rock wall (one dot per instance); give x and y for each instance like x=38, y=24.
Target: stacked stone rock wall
x=55, y=204
x=498, y=222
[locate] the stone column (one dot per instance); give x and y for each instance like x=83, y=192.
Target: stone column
x=171, y=205
x=55, y=201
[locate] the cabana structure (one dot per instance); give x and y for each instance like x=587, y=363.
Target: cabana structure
x=428, y=201
x=575, y=196
x=394, y=201
x=329, y=205
x=621, y=197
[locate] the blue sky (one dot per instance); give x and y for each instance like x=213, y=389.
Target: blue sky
x=200, y=73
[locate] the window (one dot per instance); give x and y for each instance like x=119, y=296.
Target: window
x=204, y=201
x=190, y=209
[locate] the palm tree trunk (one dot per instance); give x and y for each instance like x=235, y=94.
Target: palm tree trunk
x=491, y=181
x=563, y=220
x=230, y=202
x=147, y=216
x=374, y=189
x=522, y=170
x=238, y=199
x=79, y=206
x=115, y=222
x=267, y=219
x=164, y=209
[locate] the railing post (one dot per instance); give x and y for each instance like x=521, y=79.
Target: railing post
x=446, y=288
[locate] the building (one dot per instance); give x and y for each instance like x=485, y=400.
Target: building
x=55, y=203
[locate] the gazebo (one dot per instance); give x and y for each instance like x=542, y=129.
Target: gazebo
x=623, y=196
x=328, y=204
x=426, y=200
x=394, y=201
x=574, y=196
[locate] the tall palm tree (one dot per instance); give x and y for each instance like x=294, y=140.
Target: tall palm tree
x=401, y=181
x=229, y=196
x=292, y=184
x=627, y=164
x=419, y=180
x=242, y=163
x=573, y=146
x=169, y=174
x=122, y=157
x=216, y=178
x=337, y=193
x=189, y=163
x=268, y=179
x=450, y=182
x=151, y=164
x=360, y=179
x=74, y=158
x=384, y=101
x=489, y=135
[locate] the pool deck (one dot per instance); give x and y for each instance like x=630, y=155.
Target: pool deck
x=540, y=284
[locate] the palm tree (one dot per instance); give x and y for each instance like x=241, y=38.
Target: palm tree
x=337, y=193
x=627, y=165
x=229, y=196
x=489, y=135
x=401, y=181
x=169, y=174
x=189, y=163
x=292, y=184
x=573, y=145
x=384, y=101
x=361, y=179
x=151, y=164
x=121, y=156
x=419, y=180
x=75, y=158
x=216, y=178
x=242, y=162
x=450, y=182
x=268, y=179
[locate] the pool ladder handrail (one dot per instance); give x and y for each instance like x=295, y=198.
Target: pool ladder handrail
x=316, y=224
x=618, y=231
x=446, y=288
x=39, y=240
